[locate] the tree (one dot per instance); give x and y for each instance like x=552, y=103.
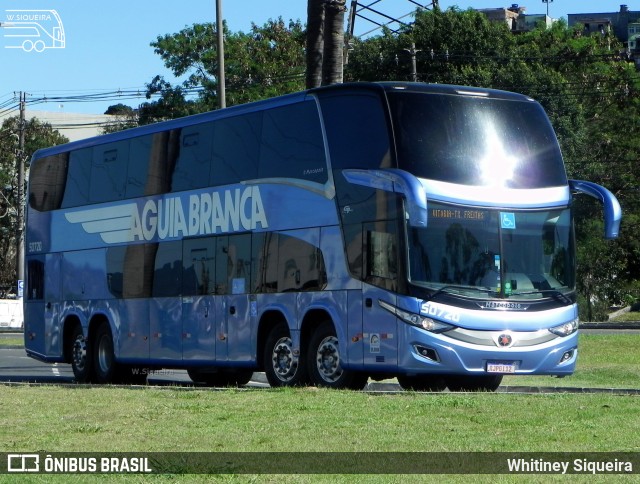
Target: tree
x=325, y=42
x=37, y=135
x=265, y=62
x=333, y=58
x=315, y=42
x=125, y=117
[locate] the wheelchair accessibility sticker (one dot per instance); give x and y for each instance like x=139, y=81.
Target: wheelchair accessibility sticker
x=508, y=220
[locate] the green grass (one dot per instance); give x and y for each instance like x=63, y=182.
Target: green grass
x=631, y=316
x=11, y=341
x=604, y=361
x=104, y=419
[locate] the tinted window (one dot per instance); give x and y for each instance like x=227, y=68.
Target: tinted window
x=476, y=140
x=199, y=267
x=77, y=188
x=292, y=144
x=233, y=264
x=381, y=254
x=47, y=180
x=109, y=172
x=138, y=170
x=301, y=266
x=145, y=270
x=285, y=263
x=167, y=278
x=265, y=262
x=194, y=162
x=35, y=280
x=236, y=149
x=357, y=132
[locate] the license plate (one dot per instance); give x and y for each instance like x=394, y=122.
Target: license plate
x=501, y=367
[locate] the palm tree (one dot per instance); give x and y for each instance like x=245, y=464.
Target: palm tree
x=325, y=40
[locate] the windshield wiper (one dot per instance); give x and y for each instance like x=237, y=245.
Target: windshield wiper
x=555, y=292
x=445, y=289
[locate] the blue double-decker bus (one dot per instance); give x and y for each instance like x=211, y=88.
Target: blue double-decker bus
x=374, y=230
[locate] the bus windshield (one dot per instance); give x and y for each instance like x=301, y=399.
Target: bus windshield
x=482, y=253
x=475, y=140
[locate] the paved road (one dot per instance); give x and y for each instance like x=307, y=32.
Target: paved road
x=16, y=366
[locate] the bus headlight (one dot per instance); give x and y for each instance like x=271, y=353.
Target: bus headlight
x=566, y=329
x=416, y=319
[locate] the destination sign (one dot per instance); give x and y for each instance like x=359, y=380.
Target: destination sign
x=457, y=214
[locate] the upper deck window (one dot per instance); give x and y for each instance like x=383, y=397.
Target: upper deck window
x=473, y=140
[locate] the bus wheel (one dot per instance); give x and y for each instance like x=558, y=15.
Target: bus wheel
x=103, y=357
x=281, y=366
x=422, y=383
x=323, y=361
x=473, y=383
x=81, y=360
x=220, y=378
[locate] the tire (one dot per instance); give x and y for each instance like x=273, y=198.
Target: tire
x=422, y=383
x=473, y=383
x=220, y=378
x=323, y=361
x=104, y=360
x=282, y=368
x=81, y=356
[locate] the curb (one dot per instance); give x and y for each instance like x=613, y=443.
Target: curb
x=629, y=325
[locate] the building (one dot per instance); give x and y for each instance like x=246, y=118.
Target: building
x=74, y=126
x=624, y=25
x=516, y=18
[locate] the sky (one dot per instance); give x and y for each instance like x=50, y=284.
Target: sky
x=107, y=49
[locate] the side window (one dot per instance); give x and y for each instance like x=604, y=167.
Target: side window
x=138, y=169
x=381, y=254
x=233, y=264
x=239, y=268
x=78, y=178
x=167, y=278
x=199, y=267
x=115, y=269
x=357, y=132
x=301, y=266
x=47, y=179
x=194, y=162
x=292, y=143
x=109, y=172
x=265, y=262
x=236, y=149
x=35, y=278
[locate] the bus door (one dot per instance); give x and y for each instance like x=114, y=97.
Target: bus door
x=379, y=325
x=199, y=302
x=236, y=313
x=42, y=294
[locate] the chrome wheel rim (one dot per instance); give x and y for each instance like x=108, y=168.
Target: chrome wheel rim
x=284, y=362
x=328, y=360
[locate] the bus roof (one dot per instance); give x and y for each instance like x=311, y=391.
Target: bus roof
x=379, y=87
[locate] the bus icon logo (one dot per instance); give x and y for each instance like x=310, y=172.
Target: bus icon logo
x=23, y=463
x=34, y=30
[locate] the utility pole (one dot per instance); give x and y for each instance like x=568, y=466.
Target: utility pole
x=414, y=67
x=20, y=168
x=222, y=102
